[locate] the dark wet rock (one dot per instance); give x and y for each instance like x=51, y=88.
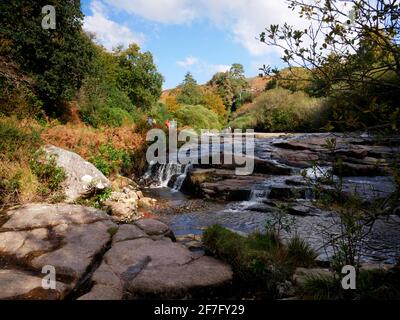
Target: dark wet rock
x=220, y=184
x=357, y=170
x=299, y=159
x=291, y=145
x=284, y=192
x=296, y=181
x=299, y=210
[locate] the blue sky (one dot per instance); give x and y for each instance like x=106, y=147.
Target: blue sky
x=200, y=36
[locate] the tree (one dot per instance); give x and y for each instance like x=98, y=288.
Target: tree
x=237, y=71
x=230, y=85
x=189, y=91
x=138, y=76
x=213, y=101
x=57, y=59
x=352, y=49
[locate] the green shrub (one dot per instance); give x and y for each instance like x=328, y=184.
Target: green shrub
x=49, y=174
x=110, y=160
x=96, y=200
x=18, y=144
x=113, y=117
x=256, y=261
x=197, y=117
x=283, y=110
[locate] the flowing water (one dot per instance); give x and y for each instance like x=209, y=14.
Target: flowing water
x=251, y=215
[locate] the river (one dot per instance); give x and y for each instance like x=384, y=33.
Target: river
x=381, y=246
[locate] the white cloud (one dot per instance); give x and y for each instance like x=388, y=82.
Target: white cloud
x=187, y=62
x=219, y=67
x=202, y=66
x=109, y=33
x=244, y=20
x=164, y=11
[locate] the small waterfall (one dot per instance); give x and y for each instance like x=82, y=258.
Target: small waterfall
x=162, y=175
x=257, y=195
x=181, y=178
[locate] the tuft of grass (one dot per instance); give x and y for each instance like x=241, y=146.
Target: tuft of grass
x=321, y=288
x=300, y=253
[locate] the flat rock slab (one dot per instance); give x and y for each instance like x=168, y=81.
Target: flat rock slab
x=158, y=268
x=175, y=281
x=67, y=237
x=153, y=227
x=129, y=232
x=41, y=215
x=15, y=284
x=82, y=244
x=23, y=243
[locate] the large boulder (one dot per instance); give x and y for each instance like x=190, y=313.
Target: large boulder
x=82, y=176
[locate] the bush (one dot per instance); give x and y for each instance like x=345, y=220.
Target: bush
x=25, y=174
x=258, y=261
x=48, y=173
x=197, y=117
x=282, y=110
x=110, y=160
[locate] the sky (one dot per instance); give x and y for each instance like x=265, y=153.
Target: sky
x=200, y=36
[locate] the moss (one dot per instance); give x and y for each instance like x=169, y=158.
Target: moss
x=112, y=231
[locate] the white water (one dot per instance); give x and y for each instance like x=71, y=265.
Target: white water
x=161, y=175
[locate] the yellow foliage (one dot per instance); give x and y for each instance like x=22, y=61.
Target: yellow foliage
x=213, y=101
x=172, y=104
